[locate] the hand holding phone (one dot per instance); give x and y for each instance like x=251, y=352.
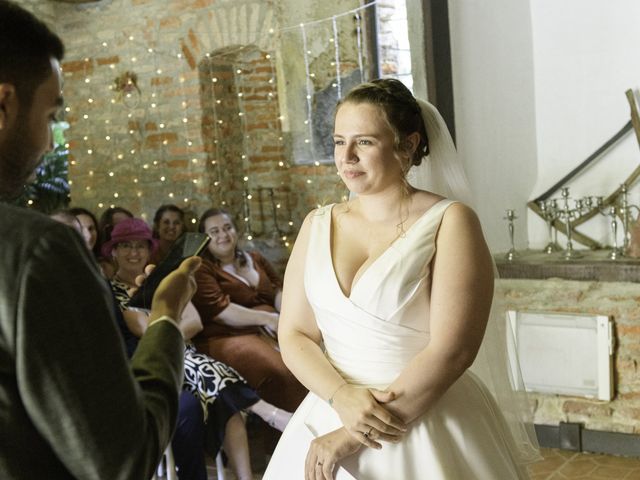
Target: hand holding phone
x=188, y=245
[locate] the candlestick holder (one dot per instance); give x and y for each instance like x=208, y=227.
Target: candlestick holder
x=625, y=213
x=510, y=218
x=613, y=211
x=550, y=212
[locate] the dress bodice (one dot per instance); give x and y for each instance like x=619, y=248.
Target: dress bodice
x=370, y=335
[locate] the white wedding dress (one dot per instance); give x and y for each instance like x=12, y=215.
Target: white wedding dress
x=369, y=337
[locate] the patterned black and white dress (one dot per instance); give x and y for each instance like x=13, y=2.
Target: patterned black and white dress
x=221, y=390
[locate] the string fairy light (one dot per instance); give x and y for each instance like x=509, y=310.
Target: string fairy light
x=309, y=90
x=336, y=43
x=109, y=141
x=216, y=132
x=187, y=140
x=359, y=44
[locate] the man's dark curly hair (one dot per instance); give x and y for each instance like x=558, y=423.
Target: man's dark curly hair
x=26, y=48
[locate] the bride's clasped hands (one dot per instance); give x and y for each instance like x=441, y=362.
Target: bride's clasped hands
x=366, y=423
x=364, y=417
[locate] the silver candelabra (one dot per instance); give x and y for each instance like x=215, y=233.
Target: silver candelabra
x=550, y=213
x=567, y=214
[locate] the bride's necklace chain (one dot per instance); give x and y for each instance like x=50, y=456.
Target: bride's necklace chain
x=403, y=213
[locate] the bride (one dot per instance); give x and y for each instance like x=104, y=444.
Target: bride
x=386, y=302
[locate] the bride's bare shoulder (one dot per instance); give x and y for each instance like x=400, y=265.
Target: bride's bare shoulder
x=422, y=200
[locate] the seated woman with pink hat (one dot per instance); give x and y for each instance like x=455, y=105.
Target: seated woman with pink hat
x=222, y=392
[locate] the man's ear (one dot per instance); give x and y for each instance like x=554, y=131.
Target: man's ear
x=8, y=104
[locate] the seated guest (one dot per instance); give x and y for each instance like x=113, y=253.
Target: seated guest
x=109, y=218
x=238, y=299
x=89, y=222
x=71, y=219
x=221, y=391
x=168, y=225
x=68, y=218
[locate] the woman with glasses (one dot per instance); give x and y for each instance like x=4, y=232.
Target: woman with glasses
x=221, y=391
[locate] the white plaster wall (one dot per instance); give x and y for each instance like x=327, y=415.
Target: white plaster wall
x=539, y=85
x=493, y=79
x=585, y=57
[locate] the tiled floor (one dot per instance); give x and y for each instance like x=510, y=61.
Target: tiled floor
x=563, y=465
x=556, y=465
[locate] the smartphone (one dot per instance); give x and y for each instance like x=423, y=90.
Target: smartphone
x=188, y=245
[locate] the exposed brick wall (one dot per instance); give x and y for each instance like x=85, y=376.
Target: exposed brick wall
x=170, y=141
x=616, y=299
x=43, y=10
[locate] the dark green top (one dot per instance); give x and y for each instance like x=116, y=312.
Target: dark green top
x=71, y=406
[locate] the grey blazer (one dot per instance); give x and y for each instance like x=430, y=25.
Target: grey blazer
x=71, y=405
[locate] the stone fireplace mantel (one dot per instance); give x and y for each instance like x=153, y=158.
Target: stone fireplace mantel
x=593, y=265
x=592, y=284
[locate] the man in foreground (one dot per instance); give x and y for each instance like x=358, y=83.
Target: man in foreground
x=70, y=404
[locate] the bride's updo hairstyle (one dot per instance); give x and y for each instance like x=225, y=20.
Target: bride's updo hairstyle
x=401, y=112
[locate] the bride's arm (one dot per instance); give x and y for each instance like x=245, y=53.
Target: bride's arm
x=300, y=343
x=461, y=295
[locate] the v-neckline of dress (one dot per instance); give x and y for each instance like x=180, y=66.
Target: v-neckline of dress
x=357, y=279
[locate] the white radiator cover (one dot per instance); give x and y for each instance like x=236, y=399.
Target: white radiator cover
x=563, y=353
